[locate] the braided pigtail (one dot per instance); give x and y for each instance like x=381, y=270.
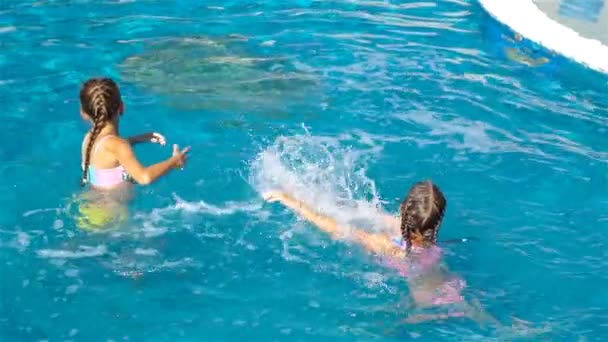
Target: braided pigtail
x=100, y=100
x=422, y=213
x=407, y=223
x=99, y=118
x=441, y=205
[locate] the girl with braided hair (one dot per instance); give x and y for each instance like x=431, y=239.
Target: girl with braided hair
x=410, y=249
x=109, y=164
x=108, y=159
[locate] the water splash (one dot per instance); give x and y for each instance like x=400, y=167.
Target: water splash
x=322, y=172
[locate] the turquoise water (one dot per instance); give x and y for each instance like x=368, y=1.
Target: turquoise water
x=346, y=103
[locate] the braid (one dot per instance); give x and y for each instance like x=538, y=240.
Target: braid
x=100, y=99
x=407, y=222
x=440, y=205
x=422, y=213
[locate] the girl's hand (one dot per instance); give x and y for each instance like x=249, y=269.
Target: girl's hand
x=152, y=137
x=156, y=138
x=273, y=196
x=180, y=157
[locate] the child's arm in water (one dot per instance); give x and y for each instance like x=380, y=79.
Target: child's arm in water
x=152, y=137
x=123, y=152
x=377, y=243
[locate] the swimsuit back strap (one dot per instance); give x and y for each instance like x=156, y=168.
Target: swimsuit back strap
x=100, y=142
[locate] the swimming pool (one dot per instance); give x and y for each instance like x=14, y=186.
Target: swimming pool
x=351, y=101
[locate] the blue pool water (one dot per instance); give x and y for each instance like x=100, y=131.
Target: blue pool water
x=345, y=102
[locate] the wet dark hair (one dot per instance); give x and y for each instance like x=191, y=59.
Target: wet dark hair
x=100, y=99
x=422, y=212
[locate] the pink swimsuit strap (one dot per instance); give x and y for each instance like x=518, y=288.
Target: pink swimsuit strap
x=105, y=177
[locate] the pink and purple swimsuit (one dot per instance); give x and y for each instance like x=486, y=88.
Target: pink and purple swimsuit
x=449, y=292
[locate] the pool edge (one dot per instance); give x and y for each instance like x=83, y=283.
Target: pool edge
x=537, y=27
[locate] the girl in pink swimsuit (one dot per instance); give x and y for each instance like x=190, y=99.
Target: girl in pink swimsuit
x=108, y=160
x=414, y=254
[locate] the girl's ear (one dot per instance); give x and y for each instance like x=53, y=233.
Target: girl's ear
x=84, y=115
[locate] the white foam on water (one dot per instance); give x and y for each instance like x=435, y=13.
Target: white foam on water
x=203, y=207
x=525, y=18
x=71, y=289
x=7, y=29
x=133, y=267
x=82, y=252
x=71, y=273
x=158, y=221
x=146, y=251
x=41, y=210
x=197, y=207
x=58, y=224
x=23, y=240
x=18, y=239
